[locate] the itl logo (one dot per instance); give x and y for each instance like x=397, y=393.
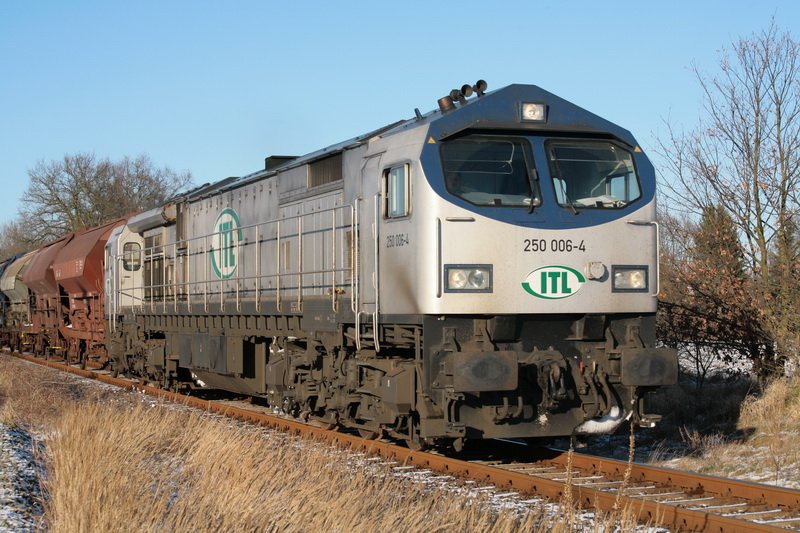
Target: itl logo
x=553, y=282
x=225, y=243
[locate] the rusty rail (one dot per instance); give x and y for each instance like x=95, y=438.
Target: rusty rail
x=647, y=511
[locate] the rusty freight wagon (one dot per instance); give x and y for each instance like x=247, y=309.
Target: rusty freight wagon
x=46, y=304
x=78, y=270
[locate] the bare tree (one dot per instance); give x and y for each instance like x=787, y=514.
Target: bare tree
x=744, y=157
x=13, y=240
x=81, y=191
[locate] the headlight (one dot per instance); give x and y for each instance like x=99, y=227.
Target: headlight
x=468, y=278
x=533, y=112
x=629, y=278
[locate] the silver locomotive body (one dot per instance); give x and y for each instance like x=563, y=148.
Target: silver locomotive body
x=487, y=270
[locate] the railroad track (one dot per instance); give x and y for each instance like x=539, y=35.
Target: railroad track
x=680, y=501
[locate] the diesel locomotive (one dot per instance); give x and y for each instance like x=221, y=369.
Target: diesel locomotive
x=485, y=270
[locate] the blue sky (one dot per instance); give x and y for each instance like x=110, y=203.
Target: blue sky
x=214, y=87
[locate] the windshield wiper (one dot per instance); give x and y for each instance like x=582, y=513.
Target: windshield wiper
x=533, y=177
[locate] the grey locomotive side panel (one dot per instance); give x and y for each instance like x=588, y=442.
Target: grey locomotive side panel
x=292, y=182
x=258, y=244
x=221, y=241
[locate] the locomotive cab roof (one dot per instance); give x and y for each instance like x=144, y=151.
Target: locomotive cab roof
x=499, y=110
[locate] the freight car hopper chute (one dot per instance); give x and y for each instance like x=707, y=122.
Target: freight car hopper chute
x=46, y=303
x=78, y=270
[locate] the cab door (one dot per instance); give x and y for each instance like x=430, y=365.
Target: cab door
x=368, y=210
x=124, y=274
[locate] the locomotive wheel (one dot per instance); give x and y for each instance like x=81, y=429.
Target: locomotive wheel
x=328, y=422
x=367, y=434
x=321, y=424
x=413, y=440
x=416, y=444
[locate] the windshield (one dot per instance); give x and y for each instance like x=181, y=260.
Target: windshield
x=490, y=171
x=596, y=174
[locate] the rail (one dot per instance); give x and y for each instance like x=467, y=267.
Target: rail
x=681, y=501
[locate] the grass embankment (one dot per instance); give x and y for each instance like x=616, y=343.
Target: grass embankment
x=760, y=444
x=135, y=466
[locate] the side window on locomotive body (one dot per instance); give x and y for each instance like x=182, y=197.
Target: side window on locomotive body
x=397, y=187
x=592, y=174
x=490, y=171
x=132, y=256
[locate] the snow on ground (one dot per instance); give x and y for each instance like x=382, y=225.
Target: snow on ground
x=20, y=492
x=749, y=461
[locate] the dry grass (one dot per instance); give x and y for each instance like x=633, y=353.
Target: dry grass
x=134, y=466
x=180, y=471
x=31, y=395
x=775, y=419
x=775, y=410
x=765, y=448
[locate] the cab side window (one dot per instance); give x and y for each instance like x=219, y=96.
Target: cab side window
x=397, y=192
x=132, y=256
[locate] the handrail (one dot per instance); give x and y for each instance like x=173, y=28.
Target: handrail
x=376, y=271
x=333, y=263
x=357, y=277
x=300, y=264
x=205, y=281
x=239, y=268
x=279, y=250
x=258, y=270
x=327, y=273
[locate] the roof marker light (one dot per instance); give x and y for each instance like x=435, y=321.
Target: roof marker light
x=533, y=112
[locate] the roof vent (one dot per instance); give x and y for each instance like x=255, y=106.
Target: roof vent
x=276, y=161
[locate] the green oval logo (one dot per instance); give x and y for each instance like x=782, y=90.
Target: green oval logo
x=225, y=243
x=553, y=282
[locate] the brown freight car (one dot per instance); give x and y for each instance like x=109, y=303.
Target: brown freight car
x=78, y=270
x=46, y=305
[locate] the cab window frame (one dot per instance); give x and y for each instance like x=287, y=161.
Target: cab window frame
x=469, y=189
x=561, y=194
x=397, y=182
x=135, y=250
